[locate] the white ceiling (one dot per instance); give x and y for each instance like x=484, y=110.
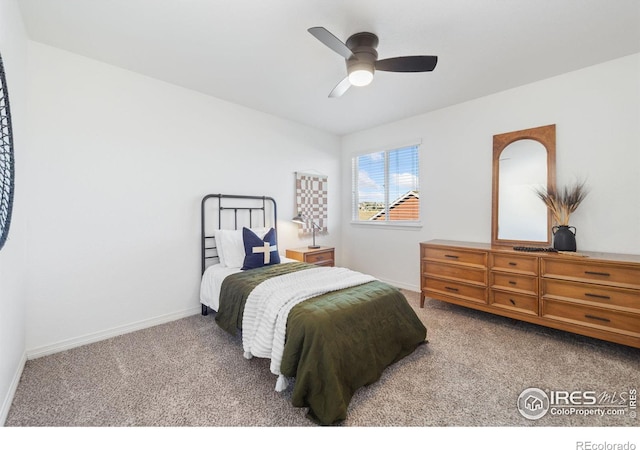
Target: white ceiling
x=258, y=53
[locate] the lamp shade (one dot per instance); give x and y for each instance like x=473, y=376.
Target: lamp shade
x=298, y=219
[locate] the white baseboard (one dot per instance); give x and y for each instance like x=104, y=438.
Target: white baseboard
x=106, y=334
x=6, y=404
x=400, y=285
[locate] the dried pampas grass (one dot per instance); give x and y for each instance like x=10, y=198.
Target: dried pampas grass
x=563, y=202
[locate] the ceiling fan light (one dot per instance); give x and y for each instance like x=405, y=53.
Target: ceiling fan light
x=360, y=77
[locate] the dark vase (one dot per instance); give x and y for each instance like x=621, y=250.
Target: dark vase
x=564, y=239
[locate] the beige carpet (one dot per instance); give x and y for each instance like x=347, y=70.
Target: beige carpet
x=191, y=373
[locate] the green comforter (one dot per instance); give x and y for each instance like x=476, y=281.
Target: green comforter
x=336, y=342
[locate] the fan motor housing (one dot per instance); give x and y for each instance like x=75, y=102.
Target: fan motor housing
x=364, y=39
x=363, y=45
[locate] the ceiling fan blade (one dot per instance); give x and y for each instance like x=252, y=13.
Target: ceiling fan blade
x=331, y=41
x=340, y=88
x=408, y=64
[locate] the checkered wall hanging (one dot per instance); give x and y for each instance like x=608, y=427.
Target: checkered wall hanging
x=311, y=201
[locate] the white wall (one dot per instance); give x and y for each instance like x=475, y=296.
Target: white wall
x=13, y=262
x=597, y=113
x=122, y=162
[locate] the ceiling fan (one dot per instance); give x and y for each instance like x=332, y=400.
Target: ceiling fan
x=362, y=59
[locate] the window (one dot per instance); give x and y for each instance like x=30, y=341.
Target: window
x=6, y=159
x=386, y=186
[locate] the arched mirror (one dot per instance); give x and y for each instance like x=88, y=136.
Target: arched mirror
x=522, y=161
x=6, y=159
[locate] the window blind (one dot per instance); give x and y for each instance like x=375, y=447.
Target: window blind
x=386, y=185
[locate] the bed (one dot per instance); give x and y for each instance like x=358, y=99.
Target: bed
x=327, y=330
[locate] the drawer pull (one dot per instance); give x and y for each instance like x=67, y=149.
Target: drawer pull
x=512, y=282
x=512, y=302
x=602, y=319
x=512, y=263
x=451, y=256
x=604, y=297
x=602, y=274
x=451, y=289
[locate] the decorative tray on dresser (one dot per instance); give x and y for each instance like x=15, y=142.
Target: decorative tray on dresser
x=593, y=294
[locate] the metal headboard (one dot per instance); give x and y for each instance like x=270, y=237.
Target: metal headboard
x=222, y=211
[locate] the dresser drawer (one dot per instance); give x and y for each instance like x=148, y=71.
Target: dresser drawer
x=591, y=293
x=527, y=265
x=454, y=255
x=514, y=282
x=514, y=302
x=320, y=258
x=455, y=272
x=436, y=287
x=323, y=256
x=609, y=320
x=592, y=272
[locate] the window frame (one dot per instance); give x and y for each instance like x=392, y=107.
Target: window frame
x=393, y=224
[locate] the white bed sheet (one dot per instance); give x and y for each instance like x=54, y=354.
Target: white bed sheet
x=212, y=280
x=211, y=283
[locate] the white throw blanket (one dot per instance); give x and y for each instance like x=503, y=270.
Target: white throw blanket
x=267, y=308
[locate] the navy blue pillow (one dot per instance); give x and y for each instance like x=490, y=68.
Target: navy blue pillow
x=259, y=252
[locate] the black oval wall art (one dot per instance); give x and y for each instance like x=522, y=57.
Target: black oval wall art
x=7, y=168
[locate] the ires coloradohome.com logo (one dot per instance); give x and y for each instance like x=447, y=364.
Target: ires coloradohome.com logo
x=534, y=403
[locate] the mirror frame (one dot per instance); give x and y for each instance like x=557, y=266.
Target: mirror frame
x=546, y=135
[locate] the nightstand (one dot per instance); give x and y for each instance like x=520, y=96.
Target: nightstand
x=323, y=256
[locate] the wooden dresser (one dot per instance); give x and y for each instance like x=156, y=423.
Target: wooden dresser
x=597, y=294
